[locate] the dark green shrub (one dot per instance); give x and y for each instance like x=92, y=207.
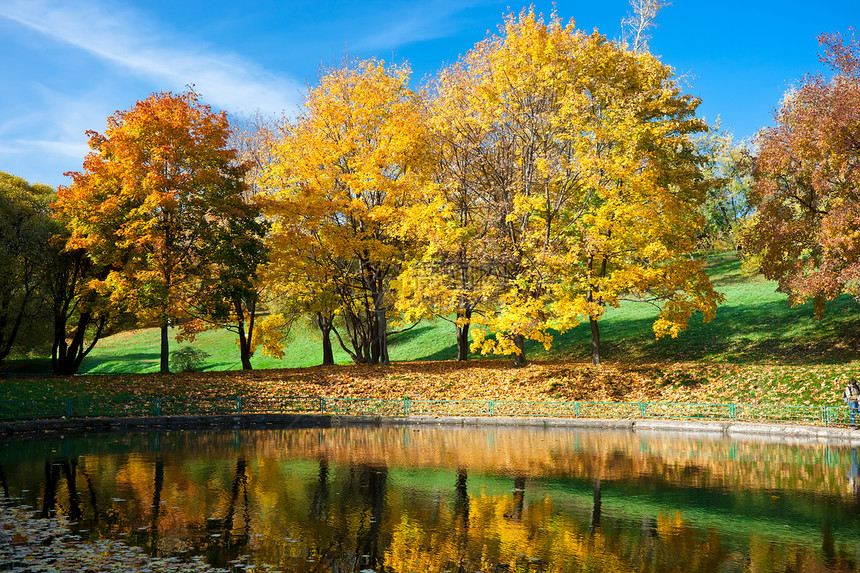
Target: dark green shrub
x=187, y=359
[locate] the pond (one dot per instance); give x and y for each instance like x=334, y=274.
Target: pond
x=426, y=498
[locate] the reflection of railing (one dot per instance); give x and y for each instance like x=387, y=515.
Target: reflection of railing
x=147, y=406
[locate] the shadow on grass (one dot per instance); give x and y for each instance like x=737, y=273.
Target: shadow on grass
x=726, y=270
x=407, y=336
x=221, y=365
x=450, y=353
x=120, y=363
x=446, y=352
x=749, y=334
x=27, y=366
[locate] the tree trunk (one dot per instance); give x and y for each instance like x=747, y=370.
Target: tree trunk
x=165, y=347
x=520, y=357
x=59, y=349
x=382, y=331
x=595, y=341
x=6, y=344
x=328, y=352
x=372, y=343
x=326, y=324
x=244, y=349
x=66, y=358
x=463, y=335
x=595, y=329
x=377, y=295
x=373, y=346
x=374, y=284
x=355, y=352
x=244, y=339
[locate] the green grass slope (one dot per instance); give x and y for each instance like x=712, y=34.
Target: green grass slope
x=754, y=325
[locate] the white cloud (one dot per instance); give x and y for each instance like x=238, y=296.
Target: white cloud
x=405, y=29
x=45, y=137
x=411, y=22
x=72, y=149
x=136, y=44
x=53, y=124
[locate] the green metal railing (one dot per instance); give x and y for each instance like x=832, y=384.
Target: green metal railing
x=11, y=410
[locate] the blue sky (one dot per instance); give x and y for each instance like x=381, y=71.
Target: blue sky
x=68, y=64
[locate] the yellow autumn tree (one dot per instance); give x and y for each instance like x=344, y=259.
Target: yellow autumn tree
x=583, y=182
x=344, y=172
x=450, y=276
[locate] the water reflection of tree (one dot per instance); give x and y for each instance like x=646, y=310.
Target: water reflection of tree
x=373, y=481
x=318, y=510
x=49, y=498
x=337, y=514
x=595, y=511
x=673, y=460
x=461, y=520
x=158, y=485
x=854, y=477
x=519, y=492
x=4, y=483
x=325, y=531
x=714, y=463
x=53, y=471
x=221, y=540
x=344, y=530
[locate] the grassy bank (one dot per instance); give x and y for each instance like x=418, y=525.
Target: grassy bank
x=755, y=325
x=479, y=380
x=757, y=349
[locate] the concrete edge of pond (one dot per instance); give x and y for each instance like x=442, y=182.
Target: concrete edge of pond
x=773, y=432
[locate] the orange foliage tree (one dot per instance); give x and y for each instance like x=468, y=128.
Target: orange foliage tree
x=806, y=231
x=231, y=294
x=159, y=189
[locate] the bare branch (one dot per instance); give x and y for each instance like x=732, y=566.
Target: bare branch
x=634, y=28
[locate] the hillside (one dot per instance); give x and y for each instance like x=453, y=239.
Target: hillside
x=756, y=350
x=755, y=325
